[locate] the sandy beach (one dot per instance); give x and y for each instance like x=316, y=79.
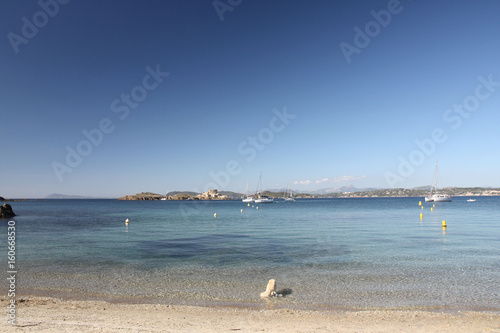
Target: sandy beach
x=43, y=314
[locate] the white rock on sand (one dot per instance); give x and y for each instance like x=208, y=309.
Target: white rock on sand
x=270, y=289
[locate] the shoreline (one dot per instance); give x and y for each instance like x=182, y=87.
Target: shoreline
x=257, y=304
x=50, y=314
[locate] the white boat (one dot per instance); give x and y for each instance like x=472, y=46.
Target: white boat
x=165, y=197
x=262, y=198
x=289, y=194
x=247, y=198
x=471, y=200
x=434, y=196
x=439, y=198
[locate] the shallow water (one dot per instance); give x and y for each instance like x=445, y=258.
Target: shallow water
x=338, y=253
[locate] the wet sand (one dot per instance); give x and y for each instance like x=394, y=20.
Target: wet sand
x=44, y=314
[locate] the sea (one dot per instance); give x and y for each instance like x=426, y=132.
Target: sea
x=331, y=254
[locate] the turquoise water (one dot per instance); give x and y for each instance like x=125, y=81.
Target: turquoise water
x=327, y=253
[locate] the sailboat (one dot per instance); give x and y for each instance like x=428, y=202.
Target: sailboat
x=165, y=197
x=434, y=196
x=262, y=198
x=289, y=194
x=247, y=198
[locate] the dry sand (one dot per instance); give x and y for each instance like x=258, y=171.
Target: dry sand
x=42, y=314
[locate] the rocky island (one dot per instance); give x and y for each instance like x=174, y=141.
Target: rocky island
x=142, y=196
x=6, y=211
x=210, y=195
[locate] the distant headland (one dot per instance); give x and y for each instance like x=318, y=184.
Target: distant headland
x=352, y=193
x=210, y=195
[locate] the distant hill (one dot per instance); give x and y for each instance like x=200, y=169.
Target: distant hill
x=232, y=195
x=424, y=188
x=341, y=189
x=65, y=196
x=174, y=193
x=421, y=191
x=185, y=195
x=142, y=196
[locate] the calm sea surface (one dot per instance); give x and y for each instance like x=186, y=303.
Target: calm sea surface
x=325, y=253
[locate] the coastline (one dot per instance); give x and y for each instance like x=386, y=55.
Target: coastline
x=47, y=314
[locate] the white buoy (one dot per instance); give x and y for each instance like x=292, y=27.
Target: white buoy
x=242, y=210
x=215, y=214
x=127, y=221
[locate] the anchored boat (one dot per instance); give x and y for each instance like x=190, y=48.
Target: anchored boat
x=434, y=196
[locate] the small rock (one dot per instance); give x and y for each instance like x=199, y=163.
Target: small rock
x=6, y=211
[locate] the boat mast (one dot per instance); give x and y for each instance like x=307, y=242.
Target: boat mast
x=434, y=180
x=260, y=184
x=436, y=177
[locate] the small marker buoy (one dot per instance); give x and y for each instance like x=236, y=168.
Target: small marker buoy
x=127, y=221
x=242, y=210
x=444, y=224
x=432, y=209
x=434, y=205
x=248, y=205
x=215, y=214
x=422, y=207
x=421, y=216
x=420, y=203
x=257, y=207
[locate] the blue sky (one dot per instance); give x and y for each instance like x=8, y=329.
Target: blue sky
x=320, y=94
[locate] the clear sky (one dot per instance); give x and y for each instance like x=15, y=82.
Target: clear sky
x=108, y=98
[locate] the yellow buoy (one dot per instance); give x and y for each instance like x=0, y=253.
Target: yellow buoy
x=422, y=207
x=420, y=203
x=444, y=224
x=434, y=205
x=421, y=215
x=248, y=205
x=432, y=209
